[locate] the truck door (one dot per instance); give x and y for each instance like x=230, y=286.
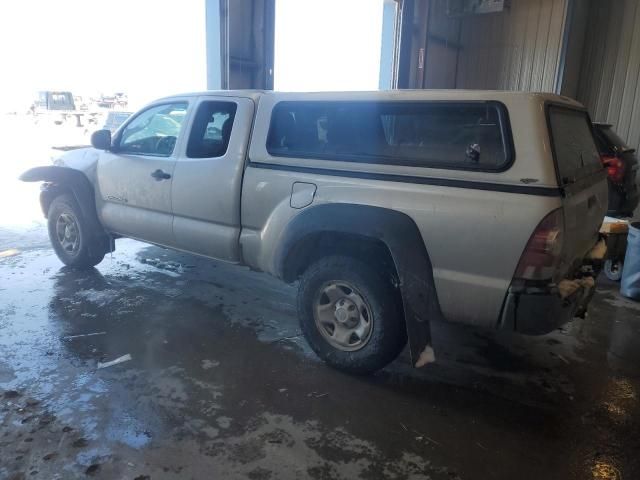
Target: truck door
x=134, y=179
x=207, y=179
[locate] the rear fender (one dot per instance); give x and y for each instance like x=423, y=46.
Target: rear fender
x=404, y=241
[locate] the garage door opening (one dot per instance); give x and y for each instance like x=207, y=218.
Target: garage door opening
x=329, y=45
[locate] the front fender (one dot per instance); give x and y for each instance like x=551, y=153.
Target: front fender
x=403, y=239
x=62, y=179
x=68, y=178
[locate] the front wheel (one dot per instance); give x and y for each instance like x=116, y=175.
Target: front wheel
x=350, y=315
x=70, y=235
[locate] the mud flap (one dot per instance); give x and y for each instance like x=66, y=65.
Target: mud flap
x=417, y=288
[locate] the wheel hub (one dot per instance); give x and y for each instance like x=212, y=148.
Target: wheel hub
x=346, y=312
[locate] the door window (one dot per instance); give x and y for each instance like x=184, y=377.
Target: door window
x=154, y=131
x=211, y=130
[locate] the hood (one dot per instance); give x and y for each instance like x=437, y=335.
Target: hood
x=83, y=159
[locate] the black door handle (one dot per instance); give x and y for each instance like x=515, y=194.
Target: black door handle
x=160, y=175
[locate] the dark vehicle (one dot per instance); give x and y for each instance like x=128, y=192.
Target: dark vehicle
x=622, y=167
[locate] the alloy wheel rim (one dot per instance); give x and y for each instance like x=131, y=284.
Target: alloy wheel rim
x=342, y=316
x=68, y=233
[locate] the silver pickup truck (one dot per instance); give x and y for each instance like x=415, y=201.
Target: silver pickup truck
x=391, y=209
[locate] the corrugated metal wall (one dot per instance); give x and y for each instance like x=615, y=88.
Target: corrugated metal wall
x=522, y=49
x=609, y=83
x=518, y=49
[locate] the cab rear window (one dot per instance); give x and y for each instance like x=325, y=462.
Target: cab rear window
x=573, y=144
x=461, y=135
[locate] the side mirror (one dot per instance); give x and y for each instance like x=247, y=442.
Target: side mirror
x=101, y=139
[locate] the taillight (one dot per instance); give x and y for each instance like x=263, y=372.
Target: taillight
x=615, y=168
x=542, y=254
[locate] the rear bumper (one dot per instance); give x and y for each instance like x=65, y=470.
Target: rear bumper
x=540, y=310
x=536, y=310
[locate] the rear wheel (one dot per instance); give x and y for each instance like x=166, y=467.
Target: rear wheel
x=70, y=235
x=613, y=270
x=350, y=315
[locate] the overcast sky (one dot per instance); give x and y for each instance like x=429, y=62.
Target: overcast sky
x=327, y=44
x=148, y=48
x=152, y=48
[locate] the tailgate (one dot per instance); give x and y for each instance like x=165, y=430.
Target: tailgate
x=582, y=178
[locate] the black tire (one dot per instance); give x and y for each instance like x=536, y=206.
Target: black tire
x=613, y=270
x=387, y=335
x=83, y=255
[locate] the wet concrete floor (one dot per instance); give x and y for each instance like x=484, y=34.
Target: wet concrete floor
x=221, y=385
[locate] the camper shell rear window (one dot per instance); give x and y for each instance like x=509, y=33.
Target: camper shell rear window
x=436, y=134
x=574, y=147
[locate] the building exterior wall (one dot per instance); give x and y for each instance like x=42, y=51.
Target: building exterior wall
x=385, y=77
x=442, y=47
x=517, y=49
x=569, y=74
x=240, y=43
x=214, y=50
x=609, y=83
x=429, y=45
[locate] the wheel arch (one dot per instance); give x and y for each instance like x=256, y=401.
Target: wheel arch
x=389, y=236
x=60, y=180
x=314, y=245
